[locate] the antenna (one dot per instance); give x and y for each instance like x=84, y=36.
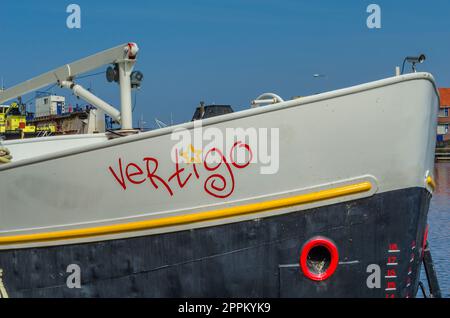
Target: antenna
x=142, y=123
x=159, y=123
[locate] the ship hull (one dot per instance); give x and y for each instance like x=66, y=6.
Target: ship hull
x=336, y=208
x=253, y=258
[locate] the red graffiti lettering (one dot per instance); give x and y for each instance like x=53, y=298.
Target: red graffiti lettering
x=152, y=174
x=210, y=185
x=233, y=160
x=178, y=172
x=220, y=183
x=120, y=180
x=138, y=172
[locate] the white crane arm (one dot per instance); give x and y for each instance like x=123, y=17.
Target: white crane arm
x=124, y=55
x=69, y=71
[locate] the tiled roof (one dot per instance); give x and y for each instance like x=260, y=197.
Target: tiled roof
x=445, y=97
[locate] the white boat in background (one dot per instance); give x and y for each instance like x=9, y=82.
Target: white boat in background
x=143, y=216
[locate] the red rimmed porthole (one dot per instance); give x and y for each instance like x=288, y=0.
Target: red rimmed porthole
x=319, y=258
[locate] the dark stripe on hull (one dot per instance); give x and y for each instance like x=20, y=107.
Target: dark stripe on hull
x=257, y=258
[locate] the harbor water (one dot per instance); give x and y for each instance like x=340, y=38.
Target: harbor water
x=439, y=231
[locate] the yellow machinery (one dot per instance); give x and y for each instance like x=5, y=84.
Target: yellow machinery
x=3, y=110
x=50, y=127
x=13, y=120
x=29, y=129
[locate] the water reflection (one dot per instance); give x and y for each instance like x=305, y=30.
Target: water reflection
x=439, y=221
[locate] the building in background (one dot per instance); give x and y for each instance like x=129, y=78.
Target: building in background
x=50, y=105
x=443, y=131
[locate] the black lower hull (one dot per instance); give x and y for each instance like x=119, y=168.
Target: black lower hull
x=257, y=258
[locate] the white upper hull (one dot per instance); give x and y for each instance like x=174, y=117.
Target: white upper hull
x=381, y=132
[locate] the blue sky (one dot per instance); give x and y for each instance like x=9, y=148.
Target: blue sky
x=226, y=51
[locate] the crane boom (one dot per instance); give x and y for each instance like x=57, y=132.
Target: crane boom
x=124, y=55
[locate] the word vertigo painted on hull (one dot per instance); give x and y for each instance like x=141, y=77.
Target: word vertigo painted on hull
x=133, y=174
